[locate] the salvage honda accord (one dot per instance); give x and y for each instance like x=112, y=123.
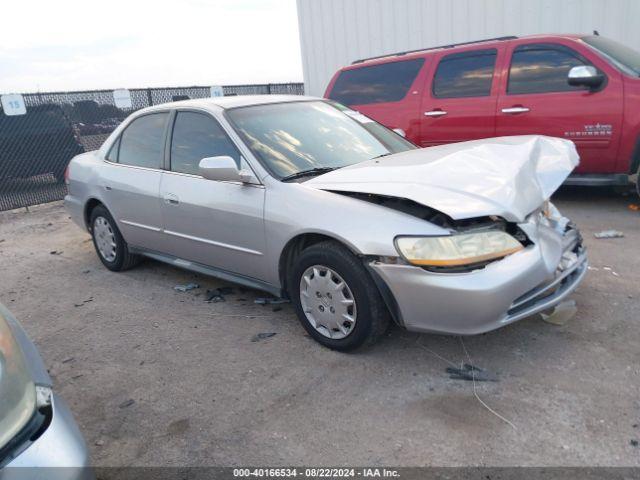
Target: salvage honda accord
x=309, y=200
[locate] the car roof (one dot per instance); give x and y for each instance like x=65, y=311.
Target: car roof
x=420, y=53
x=234, y=101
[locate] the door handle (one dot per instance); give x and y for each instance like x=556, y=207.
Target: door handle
x=435, y=113
x=515, y=110
x=171, y=199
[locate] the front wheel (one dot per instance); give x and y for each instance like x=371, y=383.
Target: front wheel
x=335, y=298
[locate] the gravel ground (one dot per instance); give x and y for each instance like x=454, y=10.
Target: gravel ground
x=160, y=377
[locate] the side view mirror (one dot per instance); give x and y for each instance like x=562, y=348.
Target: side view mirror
x=223, y=169
x=585, y=76
x=400, y=132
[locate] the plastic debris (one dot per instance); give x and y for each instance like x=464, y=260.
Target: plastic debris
x=84, y=302
x=562, y=313
x=470, y=373
x=187, y=287
x=214, y=296
x=609, y=234
x=270, y=301
x=127, y=403
x=55, y=252
x=262, y=336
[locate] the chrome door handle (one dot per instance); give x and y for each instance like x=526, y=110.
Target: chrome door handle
x=513, y=110
x=435, y=113
x=171, y=199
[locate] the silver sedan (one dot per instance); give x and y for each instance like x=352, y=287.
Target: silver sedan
x=311, y=201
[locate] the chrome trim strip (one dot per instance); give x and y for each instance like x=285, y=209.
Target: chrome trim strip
x=140, y=225
x=211, y=242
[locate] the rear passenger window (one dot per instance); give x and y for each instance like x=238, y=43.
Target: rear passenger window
x=142, y=142
x=197, y=136
x=387, y=82
x=467, y=74
x=542, y=68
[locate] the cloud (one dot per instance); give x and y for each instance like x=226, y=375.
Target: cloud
x=67, y=45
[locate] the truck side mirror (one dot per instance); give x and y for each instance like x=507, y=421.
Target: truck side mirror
x=585, y=76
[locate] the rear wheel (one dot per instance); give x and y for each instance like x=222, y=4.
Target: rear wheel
x=111, y=247
x=335, y=298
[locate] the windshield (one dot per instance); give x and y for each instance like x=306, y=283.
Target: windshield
x=294, y=137
x=623, y=57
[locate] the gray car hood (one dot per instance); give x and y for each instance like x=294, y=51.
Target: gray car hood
x=508, y=176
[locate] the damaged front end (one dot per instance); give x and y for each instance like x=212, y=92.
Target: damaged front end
x=463, y=234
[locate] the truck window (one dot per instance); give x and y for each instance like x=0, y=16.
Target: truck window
x=542, y=68
x=467, y=74
x=386, y=82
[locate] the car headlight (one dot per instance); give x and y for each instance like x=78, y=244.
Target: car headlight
x=17, y=390
x=457, y=250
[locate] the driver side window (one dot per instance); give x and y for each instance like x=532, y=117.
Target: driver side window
x=197, y=136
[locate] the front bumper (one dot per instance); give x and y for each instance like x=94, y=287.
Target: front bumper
x=518, y=286
x=58, y=453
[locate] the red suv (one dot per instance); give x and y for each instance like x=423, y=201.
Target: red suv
x=583, y=88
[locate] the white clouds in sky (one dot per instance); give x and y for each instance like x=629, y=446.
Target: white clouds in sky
x=86, y=44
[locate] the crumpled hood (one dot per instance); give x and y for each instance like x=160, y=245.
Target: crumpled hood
x=507, y=176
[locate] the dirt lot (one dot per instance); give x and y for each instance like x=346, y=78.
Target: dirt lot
x=204, y=393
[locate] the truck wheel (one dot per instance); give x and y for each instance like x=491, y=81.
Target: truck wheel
x=111, y=247
x=335, y=298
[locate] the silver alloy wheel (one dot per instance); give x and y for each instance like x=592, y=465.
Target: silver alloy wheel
x=327, y=302
x=105, y=238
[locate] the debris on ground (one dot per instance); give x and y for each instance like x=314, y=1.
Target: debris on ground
x=67, y=360
x=262, y=336
x=86, y=271
x=562, y=313
x=1, y=240
x=99, y=442
x=471, y=373
x=634, y=443
x=634, y=207
x=214, y=296
x=270, y=301
x=55, y=252
x=127, y=403
x=609, y=234
x=186, y=287
x=84, y=302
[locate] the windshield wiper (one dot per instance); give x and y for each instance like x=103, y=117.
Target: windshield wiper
x=381, y=155
x=306, y=173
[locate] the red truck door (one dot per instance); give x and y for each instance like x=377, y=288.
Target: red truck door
x=460, y=97
x=536, y=98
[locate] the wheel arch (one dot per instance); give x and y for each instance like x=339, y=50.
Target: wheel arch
x=88, y=208
x=296, y=245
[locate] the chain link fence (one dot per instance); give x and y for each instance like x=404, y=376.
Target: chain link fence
x=36, y=147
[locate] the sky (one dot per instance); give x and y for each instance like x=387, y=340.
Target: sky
x=68, y=45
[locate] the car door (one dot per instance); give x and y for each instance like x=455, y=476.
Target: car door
x=214, y=223
x=459, y=104
x=130, y=179
x=536, y=98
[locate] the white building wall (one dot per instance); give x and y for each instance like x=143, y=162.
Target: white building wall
x=333, y=33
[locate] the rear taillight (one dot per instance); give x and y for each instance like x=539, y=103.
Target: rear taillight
x=66, y=175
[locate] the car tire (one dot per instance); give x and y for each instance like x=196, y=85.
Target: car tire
x=111, y=247
x=316, y=293
x=638, y=181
